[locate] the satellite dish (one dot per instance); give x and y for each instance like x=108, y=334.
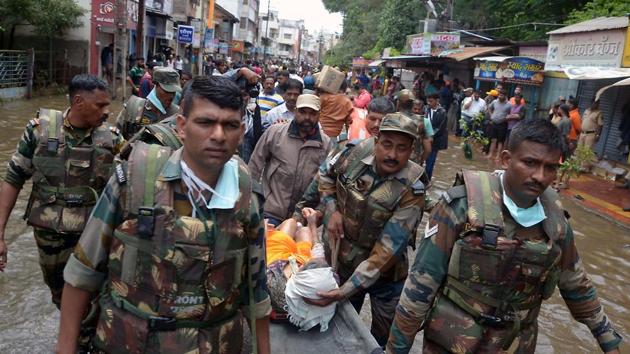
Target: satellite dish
x=428, y=4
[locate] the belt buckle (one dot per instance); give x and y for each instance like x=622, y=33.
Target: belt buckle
x=490, y=235
x=52, y=145
x=73, y=200
x=146, y=221
x=162, y=323
x=490, y=320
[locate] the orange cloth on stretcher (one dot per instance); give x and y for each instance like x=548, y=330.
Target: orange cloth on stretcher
x=281, y=246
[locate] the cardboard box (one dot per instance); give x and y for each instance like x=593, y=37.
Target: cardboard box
x=330, y=79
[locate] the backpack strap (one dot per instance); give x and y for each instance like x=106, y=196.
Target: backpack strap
x=485, y=199
x=51, y=121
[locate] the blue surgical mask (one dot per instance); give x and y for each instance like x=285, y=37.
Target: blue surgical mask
x=524, y=216
x=226, y=192
x=153, y=98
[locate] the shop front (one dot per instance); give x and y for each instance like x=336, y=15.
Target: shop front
x=596, y=54
x=510, y=72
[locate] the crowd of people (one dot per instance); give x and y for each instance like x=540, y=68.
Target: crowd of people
x=254, y=192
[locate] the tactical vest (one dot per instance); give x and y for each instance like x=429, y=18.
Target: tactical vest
x=173, y=280
x=492, y=295
x=365, y=215
x=68, y=179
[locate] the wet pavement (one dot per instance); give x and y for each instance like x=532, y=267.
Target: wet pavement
x=29, y=320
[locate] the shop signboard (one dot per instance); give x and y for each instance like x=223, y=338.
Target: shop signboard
x=519, y=70
x=443, y=41
x=596, y=48
x=238, y=46
x=164, y=6
x=360, y=62
x=185, y=34
x=104, y=12
x=431, y=43
x=207, y=41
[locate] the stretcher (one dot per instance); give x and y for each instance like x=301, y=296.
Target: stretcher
x=346, y=334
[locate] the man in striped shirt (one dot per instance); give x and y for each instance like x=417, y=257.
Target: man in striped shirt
x=269, y=99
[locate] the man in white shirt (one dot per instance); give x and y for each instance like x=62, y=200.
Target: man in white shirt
x=471, y=106
x=286, y=111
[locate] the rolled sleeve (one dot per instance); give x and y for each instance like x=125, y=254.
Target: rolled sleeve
x=81, y=276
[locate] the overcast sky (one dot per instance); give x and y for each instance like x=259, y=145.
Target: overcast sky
x=315, y=16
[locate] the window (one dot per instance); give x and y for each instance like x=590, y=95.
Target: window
x=243, y=24
x=288, y=36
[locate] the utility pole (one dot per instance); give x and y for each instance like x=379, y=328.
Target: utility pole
x=120, y=46
x=300, y=29
x=140, y=31
x=267, y=31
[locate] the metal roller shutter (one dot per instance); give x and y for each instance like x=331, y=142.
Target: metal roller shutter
x=611, y=104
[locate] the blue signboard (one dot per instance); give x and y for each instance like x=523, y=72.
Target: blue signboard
x=513, y=69
x=207, y=42
x=185, y=34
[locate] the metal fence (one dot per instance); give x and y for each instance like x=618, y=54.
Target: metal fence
x=16, y=69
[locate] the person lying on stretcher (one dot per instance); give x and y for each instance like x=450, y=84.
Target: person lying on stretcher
x=297, y=269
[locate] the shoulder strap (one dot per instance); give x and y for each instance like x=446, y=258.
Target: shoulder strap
x=144, y=166
x=355, y=156
x=135, y=108
x=485, y=200
x=51, y=121
x=555, y=225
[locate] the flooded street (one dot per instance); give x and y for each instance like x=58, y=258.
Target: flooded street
x=29, y=320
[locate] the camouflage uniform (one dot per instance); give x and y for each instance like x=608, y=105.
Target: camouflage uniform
x=70, y=167
x=139, y=112
x=476, y=293
x=380, y=215
x=170, y=282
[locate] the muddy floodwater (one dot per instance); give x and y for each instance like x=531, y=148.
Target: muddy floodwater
x=29, y=321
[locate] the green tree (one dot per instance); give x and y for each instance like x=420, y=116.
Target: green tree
x=399, y=18
x=13, y=13
x=599, y=8
x=360, y=29
x=51, y=18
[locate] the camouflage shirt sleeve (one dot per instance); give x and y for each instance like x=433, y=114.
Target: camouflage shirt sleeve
x=256, y=253
x=118, y=142
x=87, y=267
x=581, y=297
x=20, y=167
x=310, y=199
x=427, y=273
x=327, y=179
x=390, y=247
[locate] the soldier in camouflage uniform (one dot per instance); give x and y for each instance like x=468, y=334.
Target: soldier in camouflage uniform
x=69, y=155
x=158, y=105
x=374, y=199
x=495, y=247
x=176, y=244
x=422, y=147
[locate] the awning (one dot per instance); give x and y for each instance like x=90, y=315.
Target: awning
x=624, y=82
x=468, y=52
x=408, y=57
x=495, y=59
x=376, y=63
x=594, y=73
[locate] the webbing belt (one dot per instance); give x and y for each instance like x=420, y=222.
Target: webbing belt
x=158, y=323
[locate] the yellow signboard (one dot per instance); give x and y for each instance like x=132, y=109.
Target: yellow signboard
x=625, y=61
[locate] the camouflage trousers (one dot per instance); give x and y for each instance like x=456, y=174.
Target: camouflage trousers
x=54, y=251
x=384, y=298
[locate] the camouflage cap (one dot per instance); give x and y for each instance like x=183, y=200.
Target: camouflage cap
x=167, y=78
x=398, y=122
